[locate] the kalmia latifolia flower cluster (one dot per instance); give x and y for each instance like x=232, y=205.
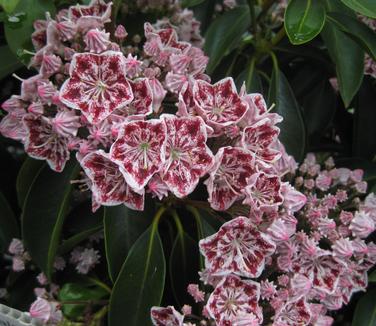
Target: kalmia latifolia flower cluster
x=156, y=124
x=296, y=258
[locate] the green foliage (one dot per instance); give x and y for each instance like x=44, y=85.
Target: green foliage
x=140, y=283
x=183, y=266
x=365, y=312
x=77, y=292
x=9, y=5
x=122, y=227
x=44, y=214
x=18, y=34
x=358, y=31
x=292, y=127
x=364, y=7
x=9, y=225
x=9, y=62
x=224, y=34
x=304, y=19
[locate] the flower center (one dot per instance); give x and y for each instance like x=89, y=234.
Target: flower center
x=101, y=86
x=175, y=154
x=218, y=110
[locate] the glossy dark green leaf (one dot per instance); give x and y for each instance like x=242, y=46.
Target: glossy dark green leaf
x=225, y=33
x=304, y=20
x=45, y=209
x=140, y=283
x=364, y=7
x=30, y=169
x=372, y=277
x=365, y=311
x=293, y=134
x=319, y=108
x=183, y=265
x=122, y=227
x=9, y=62
x=8, y=224
x=79, y=292
x=19, y=36
x=9, y=5
x=358, y=31
x=364, y=131
x=191, y=3
x=345, y=53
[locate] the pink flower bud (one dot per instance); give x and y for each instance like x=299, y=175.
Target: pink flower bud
x=41, y=309
x=50, y=65
x=66, y=123
x=120, y=32
x=97, y=41
x=16, y=247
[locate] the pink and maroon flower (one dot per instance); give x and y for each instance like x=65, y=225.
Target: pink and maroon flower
x=233, y=298
x=293, y=314
x=168, y=316
x=322, y=269
x=97, y=86
x=138, y=151
x=228, y=177
x=258, y=139
x=187, y=156
x=142, y=104
x=43, y=143
x=238, y=247
x=219, y=104
x=108, y=184
x=263, y=191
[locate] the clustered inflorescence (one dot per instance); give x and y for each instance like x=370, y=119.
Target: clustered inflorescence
x=155, y=123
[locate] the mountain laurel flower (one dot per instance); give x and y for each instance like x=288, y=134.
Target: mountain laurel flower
x=120, y=32
x=97, y=85
x=66, y=123
x=107, y=182
x=362, y=225
x=187, y=157
x=228, y=176
x=232, y=298
x=161, y=316
x=219, y=104
x=138, y=151
x=238, y=247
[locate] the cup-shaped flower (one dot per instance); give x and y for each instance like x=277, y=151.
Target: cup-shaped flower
x=234, y=297
x=263, y=191
x=238, y=248
x=162, y=316
x=219, y=104
x=42, y=142
x=138, y=151
x=187, y=156
x=107, y=182
x=228, y=177
x=97, y=85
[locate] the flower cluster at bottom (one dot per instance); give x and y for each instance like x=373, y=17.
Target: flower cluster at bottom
x=294, y=265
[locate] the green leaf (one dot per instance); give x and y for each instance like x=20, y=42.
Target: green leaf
x=364, y=131
x=9, y=5
x=191, y=3
x=225, y=33
x=19, y=36
x=9, y=62
x=292, y=127
x=304, y=20
x=183, y=265
x=79, y=292
x=358, y=31
x=28, y=172
x=345, y=53
x=122, y=227
x=319, y=108
x=9, y=226
x=45, y=208
x=372, y=277
x=140, y=283
x=365, y=311
x=365, y=7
